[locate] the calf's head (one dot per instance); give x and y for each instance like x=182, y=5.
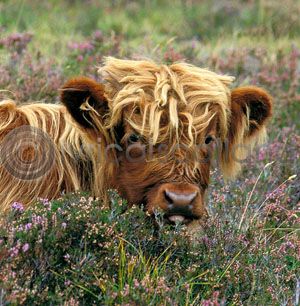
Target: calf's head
x=160, y=124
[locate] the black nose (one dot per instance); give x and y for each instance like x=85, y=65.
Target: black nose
x=179, y=199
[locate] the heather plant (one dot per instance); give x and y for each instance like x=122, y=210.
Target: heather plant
x=27, y=76
x=71, y=249
x=85, y=55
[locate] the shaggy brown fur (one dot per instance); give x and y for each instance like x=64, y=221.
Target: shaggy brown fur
x=147, y=131
x=72, y=155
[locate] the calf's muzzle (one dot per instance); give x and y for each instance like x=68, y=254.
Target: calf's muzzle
x=180, y=201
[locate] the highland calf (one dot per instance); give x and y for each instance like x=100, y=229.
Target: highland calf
x=148, y=131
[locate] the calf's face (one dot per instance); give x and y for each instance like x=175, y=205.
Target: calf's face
x=171, y=175
x=161, y=128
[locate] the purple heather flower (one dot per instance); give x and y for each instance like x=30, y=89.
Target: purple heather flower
x=64, y=225
x=82, y=46
x=38, y=220
x=45, y=202
x=25, y=247
x=28, y=226
x=14, y=251
x=17, y=206
x=80, y=58
x=97, y=35
x=85, y=46
x=16, y=41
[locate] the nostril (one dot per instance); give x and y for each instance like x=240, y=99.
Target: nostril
x=174, y=198
x=168, y=197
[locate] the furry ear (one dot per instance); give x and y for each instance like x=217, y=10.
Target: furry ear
x=251, y=107
x=85, y=100
x=253, y=102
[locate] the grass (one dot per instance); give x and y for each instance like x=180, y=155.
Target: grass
x=69, y=251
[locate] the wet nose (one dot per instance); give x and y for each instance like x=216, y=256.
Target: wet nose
x=175, y=199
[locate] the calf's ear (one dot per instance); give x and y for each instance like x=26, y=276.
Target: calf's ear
x=254, y=103
x=85, y=100
x=251, y=107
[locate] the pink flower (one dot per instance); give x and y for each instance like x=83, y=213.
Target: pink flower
x=16, y=41
x=80, y=58
x=97, y=35
x=14, y=251
x=17, y=206
x=83, y=47
x=28, y=226
x=45, y=202
x=25, y=247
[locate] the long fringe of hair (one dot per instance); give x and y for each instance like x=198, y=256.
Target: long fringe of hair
x=175, y=104
x=171, y=99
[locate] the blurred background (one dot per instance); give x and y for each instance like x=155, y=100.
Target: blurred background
x=255, y=40
x=43, y=43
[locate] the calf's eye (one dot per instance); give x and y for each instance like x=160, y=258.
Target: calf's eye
x=134, y=138
x=209, y=139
